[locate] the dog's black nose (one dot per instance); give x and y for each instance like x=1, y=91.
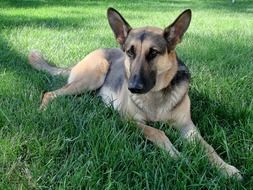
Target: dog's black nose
x=135, y=85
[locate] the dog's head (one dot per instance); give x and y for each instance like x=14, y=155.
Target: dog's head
x=148, y=50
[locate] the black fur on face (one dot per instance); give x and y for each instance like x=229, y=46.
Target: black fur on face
x=143, y=49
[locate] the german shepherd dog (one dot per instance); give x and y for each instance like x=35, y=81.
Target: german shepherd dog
x=143, y=79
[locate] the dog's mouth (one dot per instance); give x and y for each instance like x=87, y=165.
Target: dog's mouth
x=137, y=91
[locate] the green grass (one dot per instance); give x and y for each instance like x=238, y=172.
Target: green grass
x=78, y=143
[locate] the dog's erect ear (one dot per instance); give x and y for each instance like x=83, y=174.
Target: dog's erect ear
x=119, y=25
x=174, y=32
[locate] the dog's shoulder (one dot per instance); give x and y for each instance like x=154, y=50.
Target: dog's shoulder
x=113, y=54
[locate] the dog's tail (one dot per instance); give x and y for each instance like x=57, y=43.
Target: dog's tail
x=37, y=61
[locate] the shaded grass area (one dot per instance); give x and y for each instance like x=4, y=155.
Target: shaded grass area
x=239, y=6
x=79, y=143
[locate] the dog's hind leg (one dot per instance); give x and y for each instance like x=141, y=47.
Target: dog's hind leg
x=89, y=74
x=74, y=88
x=159, y=138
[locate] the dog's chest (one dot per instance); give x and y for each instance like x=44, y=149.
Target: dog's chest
x=147, y=106
x=158, y=106
x=152, y=107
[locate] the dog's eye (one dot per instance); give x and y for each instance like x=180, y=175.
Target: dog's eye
x=131, y=52
x=152, y=53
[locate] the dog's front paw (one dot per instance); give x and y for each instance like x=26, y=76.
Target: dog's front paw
x=46, y=98
x=232, y=171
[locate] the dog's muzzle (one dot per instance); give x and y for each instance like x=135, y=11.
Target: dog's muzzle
x=136, y=85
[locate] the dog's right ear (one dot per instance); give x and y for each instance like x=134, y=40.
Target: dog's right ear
x=119, y=25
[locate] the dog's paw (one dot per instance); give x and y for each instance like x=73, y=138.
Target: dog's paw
x=231, y=171
x=46, y=98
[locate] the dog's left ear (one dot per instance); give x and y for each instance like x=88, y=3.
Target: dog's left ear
x=119, y=25
x=174, y=32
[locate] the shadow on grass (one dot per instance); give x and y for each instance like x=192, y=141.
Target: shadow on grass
x=225, y=5
x=36, y=4
x=11, y=60
x=52, y=22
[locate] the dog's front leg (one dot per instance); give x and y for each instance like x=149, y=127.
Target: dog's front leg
x=159, y=138
x=191, y=133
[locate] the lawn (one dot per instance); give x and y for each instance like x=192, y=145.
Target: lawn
x=78, y=143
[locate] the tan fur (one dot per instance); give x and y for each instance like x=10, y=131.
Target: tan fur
x=171, y=106
x=92, y=67
x=88, y=74
x=153, y=29
x=166, y=69
x=159, y=138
